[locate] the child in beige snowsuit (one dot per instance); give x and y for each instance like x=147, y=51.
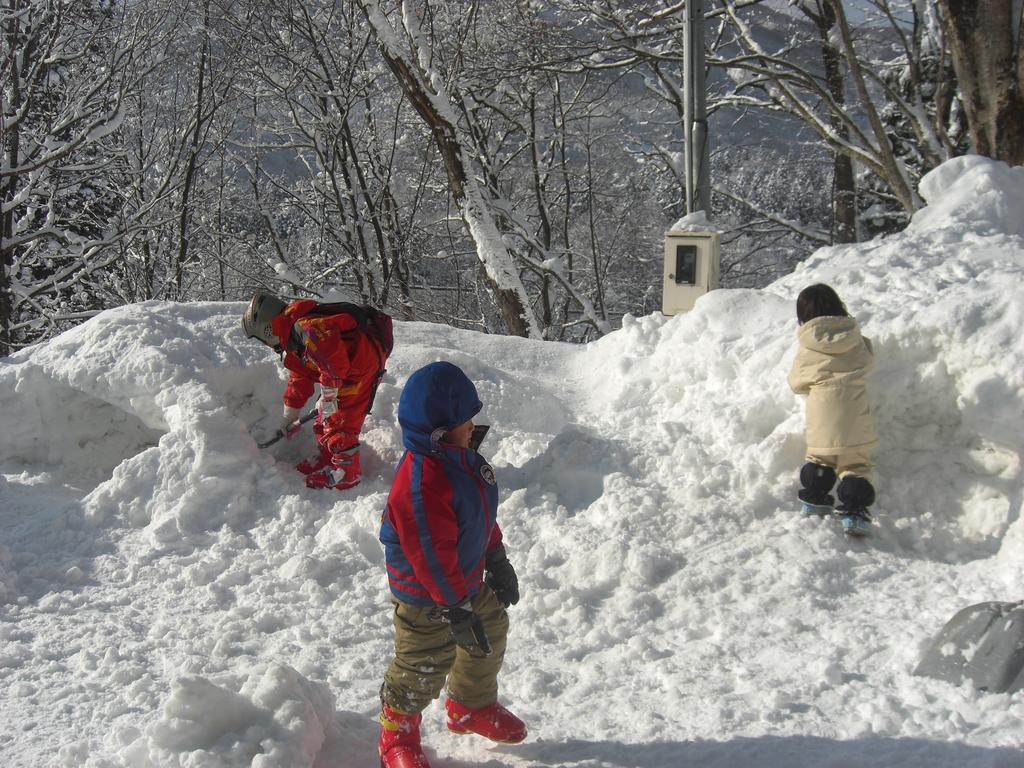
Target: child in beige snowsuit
x=831, y=366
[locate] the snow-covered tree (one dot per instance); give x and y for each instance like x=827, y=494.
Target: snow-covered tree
x=63, y=68
x=176, y=137
x=316, y=148
x=409, y=54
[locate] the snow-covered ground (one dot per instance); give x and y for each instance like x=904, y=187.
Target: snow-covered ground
x=172, y=596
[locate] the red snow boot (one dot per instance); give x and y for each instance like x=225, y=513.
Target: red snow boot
x=314, y=463
x=493, y=722
x=344, y=471
x=399, y=744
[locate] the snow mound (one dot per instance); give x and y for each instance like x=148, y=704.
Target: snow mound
x=275, y=718
x=708, y=388
x=972, y=194
x=177, y=597
x=149, y=406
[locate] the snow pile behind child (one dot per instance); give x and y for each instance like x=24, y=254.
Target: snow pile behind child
x=944, y=305
x=177, y=597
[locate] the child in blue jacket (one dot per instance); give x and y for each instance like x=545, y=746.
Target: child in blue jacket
x=449, y=576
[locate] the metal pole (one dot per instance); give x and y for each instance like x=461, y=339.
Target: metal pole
x=688, y=180
x=697, y=175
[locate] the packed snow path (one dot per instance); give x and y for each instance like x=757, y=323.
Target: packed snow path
x=174, y=596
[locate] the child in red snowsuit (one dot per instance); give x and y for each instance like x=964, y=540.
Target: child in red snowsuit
x=343, y=348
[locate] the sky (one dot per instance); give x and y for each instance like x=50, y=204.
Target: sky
x=171, y=596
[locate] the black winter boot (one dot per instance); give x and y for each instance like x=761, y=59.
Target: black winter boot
x=855, y=494
x=817, y=481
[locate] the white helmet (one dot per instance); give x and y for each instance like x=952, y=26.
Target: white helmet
x=256, y=321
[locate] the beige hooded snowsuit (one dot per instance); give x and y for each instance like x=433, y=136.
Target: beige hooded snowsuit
x=830, y=368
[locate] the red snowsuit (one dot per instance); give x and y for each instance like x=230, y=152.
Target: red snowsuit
x=334, y=353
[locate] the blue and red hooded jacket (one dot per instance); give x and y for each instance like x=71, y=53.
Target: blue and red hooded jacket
x=440, y=519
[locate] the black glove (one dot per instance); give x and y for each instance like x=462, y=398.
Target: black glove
x=501, y=576
x=467, y=629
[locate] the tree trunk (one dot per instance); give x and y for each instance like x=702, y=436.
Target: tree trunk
x=844, y=189
x=985, y=41
x=9, y=145
x=195, y=147
x=6, y=253
x=890, y=169
x=513, y=309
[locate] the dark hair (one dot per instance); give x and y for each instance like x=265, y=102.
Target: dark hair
x=819, y=301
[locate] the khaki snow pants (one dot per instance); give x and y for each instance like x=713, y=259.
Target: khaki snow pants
x=853, y=463
x=426, y=655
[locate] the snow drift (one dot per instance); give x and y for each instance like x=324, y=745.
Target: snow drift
x=177, y=597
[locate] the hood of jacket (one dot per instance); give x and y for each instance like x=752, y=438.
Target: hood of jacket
x=436, y=398
x=830, y=335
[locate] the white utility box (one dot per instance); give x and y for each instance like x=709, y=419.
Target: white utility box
x=691, y=269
